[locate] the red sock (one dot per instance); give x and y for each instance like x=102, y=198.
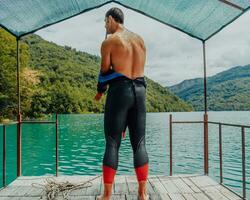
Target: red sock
x=108, y=174
x=142, y=172
x=123, y=134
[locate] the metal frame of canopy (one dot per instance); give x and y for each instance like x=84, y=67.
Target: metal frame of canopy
x=19, y=117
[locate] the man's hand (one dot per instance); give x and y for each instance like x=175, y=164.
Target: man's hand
x=98, y=96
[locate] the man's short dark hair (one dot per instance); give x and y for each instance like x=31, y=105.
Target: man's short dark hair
x=117, y=14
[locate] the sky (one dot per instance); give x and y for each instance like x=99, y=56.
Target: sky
x=172, y=56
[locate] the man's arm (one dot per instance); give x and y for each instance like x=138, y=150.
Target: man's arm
x=105, y=66
x=106, y=56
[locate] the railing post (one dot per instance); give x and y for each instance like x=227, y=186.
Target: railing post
x=170, y=144
x=220, y=153
x=4, y=155
x=243, y=162
x=19, y=117
x=206, y=164
x=56, y=144
x=19, y=145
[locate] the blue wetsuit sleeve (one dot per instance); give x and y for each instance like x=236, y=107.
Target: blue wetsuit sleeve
x=101, y=88
x=105, y=78
x=101, y=85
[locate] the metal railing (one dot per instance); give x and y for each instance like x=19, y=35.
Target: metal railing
x=19, y=123
x=4, y=151
x=206, y=164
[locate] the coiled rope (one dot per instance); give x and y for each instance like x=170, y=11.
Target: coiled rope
x=52, y=188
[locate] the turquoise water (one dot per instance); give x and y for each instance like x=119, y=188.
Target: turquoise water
x=81, y=147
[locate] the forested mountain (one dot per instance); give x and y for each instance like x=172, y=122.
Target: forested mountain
x=227, y=90
x=60, y=79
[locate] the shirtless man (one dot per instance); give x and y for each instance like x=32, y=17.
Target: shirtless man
x=122, y=68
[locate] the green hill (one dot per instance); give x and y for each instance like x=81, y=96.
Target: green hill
x=60, y=79
x=228, y=90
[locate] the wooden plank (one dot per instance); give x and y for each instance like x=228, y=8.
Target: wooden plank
x=162, y=196
x=227, y=193
x=34, y=192
x=189, y=196
x=169, y=185
x=203, y=181
x=157, y=185
x=211, y=186
x=131, y=197
x=198, y=193
x=28, y=180
x=118, y=197
x=215, y=195
x=95, y=189
x=20, y=198
x=120, y=186
x=223, y=195
x=149, y=189
x=176, y=196
x=23, y=190
x=82, y=197
x=193, y=187
x=208, y=186
x=132, y=184
x=202, y=196
x=9, y=191
x=182, y=186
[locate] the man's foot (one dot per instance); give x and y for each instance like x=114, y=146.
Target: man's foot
x=107, y=192
x=102, y=197
x=142, y=191
x=143, y=197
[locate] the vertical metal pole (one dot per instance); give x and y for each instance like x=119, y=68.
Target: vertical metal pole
x=220, y=153
x=205, y=76
x=243, y=162
x=19, y=117
x=206, y=164
x=18, y=75
x=4, y=155
x=56, y=144
x=170, y=145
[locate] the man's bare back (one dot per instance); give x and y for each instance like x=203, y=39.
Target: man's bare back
x=127, y=53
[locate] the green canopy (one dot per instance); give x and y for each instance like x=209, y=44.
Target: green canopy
x=198, y=18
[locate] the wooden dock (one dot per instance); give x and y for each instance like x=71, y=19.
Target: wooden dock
x=181, y=187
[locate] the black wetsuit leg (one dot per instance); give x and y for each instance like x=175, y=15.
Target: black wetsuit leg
x=125, y=105
x=119, y=100
x=136, y=120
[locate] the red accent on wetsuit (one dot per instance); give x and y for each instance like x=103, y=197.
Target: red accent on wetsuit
x=108, y=174
x=142, y=172
x=123, y=134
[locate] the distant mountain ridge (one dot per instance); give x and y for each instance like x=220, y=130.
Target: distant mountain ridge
x=227, y=90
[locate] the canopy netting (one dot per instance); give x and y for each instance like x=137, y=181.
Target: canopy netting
x=198, y=18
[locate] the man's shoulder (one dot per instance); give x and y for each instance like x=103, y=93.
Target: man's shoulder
x=111, y=39
x=107, y=42
x=135, y=35
x=119, y=38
